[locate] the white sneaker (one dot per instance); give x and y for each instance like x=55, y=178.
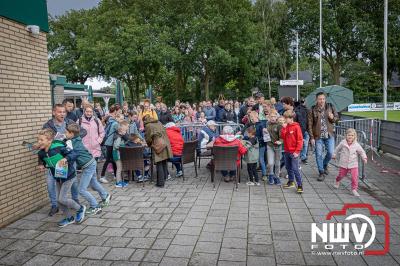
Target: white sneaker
x=179, y=174
x=103, y=180
x=250, y=183
x=169, y=177
x=287, y=176
x=257, y=183
x=355, y=193
x=336, y=185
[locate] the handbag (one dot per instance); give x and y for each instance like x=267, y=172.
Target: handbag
x=158, y=144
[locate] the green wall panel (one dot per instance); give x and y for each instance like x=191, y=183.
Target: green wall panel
x=28, y=12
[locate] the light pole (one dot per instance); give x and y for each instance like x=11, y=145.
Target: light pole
x=385, y=30
x=297, y=66
x=320, y=43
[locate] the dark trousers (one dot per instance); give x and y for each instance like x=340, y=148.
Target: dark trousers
x=176, y=161
x=292, y=167
x=109, y=159
x=225, y=173
x=252, y=170
x=162, y=173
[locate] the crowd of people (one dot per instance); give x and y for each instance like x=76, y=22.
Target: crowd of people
x=273, y=134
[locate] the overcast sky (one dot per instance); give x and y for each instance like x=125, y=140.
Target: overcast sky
x=59, y=7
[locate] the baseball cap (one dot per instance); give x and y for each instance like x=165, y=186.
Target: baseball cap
x=211, y=123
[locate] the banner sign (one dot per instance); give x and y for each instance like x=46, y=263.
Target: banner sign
x=365, y=107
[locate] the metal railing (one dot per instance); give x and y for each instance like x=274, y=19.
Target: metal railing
x=370, y=127
x=362, y=139
x=192, y=131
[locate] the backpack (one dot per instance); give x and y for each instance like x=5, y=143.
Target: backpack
x=97, y=123
x=107, y=133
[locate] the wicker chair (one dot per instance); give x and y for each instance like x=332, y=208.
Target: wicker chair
x=189, y=155
x=200, y=156
x=225, y=159
x=132, y=159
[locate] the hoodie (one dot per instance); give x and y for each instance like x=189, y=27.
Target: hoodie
x=292, y=138
x=231, y=140
x=176, y=140
x=84, y=157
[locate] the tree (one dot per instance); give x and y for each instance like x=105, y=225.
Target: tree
x=64, y=56
x=341, y=39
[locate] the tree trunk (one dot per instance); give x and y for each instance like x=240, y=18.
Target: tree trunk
x=179, y=83
x=269, y=84
x=336, y=73
x=137, y=89
x=206, y=82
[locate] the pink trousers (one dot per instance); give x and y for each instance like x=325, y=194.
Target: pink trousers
x=354, y=176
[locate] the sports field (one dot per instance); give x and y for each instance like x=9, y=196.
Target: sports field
x=392, y=115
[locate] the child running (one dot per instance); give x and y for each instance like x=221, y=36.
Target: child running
x=88, y=164
x=52, y=154
x=348, y=151
x=119, y=142
x=274, y=149
x=293, y=139
x=252, y=156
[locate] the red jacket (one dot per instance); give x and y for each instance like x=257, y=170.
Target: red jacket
x=292, y=138
x=176, y=140
x=231, y=140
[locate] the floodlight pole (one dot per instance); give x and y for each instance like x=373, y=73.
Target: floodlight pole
x=320, y=43
x=385, y=31
x=297, y=66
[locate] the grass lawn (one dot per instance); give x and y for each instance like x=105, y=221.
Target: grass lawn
x=392, y=115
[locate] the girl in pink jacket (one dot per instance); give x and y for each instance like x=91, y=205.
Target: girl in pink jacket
x=95, y=131
x=348, y=151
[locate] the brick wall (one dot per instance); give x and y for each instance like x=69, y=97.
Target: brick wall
x=25, y=105
x=58, y=94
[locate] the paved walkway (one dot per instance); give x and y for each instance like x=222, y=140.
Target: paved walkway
x=191, y=224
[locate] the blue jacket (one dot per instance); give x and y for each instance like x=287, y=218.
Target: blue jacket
x=219, y=113
x=84, y=157
x=206, y=135
x=110, y=130
x=210, y=113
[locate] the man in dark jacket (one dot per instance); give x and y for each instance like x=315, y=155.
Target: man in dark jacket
x=69, y=108
x=243, y=110
x=59, y=124
x=220, y=111
x=321, y=120
x=302, y=118
x=165, y=115
x=229, y=114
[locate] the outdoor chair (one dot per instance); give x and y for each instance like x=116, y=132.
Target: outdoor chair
x=224, y=158
x=132, y=159
x=200, y=156
x=189, y=155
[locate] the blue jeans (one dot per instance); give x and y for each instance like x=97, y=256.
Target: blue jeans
x=292, y=167
x=225, y=173
x=52, y=191
x=262, y=161
x=329, y=145
x=89, y=177
x=306, y=139
x=176, y=161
